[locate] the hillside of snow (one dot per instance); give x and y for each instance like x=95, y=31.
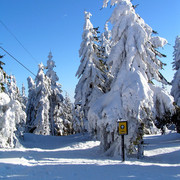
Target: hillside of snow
x=77, y=157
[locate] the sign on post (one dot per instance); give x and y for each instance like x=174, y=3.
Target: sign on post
x=123, y=130
x=123, y=127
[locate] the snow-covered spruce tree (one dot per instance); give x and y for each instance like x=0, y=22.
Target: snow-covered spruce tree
x=38, y=119
x=3, y=75
x=68, y=116
x=105, y=43
x=103, y=54
x=133, y=96
x=175, y=91
x=60, y=124
x=30, y=109
x=23, y=97
x=13, y=90
x=14, y=94
x=12, y=117
x=90, y=73
x=77, y=119
x=55, y=98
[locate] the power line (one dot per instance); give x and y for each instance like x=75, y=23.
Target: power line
x=17, y=61
x=28, y=68
x=12, y=34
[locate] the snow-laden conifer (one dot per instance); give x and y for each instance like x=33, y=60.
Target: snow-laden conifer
x=13, y=90
x=78, y=117
x=42, y=104
x=89, y=72
x=68, y=116
x=3, y=76
x=133, y=96
x=175, y=91
x=105, y=43
x=57, y=107
x=30, y=108
x=38, y=104
x=23, y=97
x=51, y=73
x=12, y=117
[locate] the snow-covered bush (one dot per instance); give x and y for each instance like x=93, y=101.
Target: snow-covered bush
x=133, y=96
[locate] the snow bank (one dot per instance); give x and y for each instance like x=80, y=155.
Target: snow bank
x=4, y=99
x=77, y=157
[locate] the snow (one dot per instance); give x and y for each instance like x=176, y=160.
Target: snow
x=78, y=157
x=4, y=99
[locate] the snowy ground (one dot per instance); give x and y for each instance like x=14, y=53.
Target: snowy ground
x=78, y=158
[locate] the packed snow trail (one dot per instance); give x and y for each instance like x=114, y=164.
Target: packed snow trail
x=79, y=158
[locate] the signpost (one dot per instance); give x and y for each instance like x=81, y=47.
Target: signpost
x=123, y=130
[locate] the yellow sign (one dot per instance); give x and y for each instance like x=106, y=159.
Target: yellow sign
x=123, y=127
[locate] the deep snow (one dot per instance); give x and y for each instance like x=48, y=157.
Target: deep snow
x=79, y=158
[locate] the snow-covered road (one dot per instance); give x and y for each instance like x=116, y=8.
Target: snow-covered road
x=76, y=157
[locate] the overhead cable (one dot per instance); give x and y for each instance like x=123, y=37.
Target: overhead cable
x=12, y=34
x=24, y=65
x=17, y=61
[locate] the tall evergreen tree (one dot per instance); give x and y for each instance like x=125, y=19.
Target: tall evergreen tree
x=3, y=75
x=42, y=104
x=38, y=105
x=23, y=97
x=13, y=90
x=175, y=91
x=105, y=43
x=104, y=52
x=56, y=99
x=68, y=115
x=133, y=97
x=30, y=108
x=89, y=72
x=78, y=117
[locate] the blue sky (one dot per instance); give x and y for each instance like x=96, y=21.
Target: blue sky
x=57, y=25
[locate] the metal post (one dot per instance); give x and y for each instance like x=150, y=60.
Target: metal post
x=122, y=145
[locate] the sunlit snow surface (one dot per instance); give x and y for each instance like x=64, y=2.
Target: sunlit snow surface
x=78, y=157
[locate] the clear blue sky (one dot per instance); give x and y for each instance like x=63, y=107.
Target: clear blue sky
x=57, y=25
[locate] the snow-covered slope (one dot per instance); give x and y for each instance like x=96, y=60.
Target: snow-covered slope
x=77, y=157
